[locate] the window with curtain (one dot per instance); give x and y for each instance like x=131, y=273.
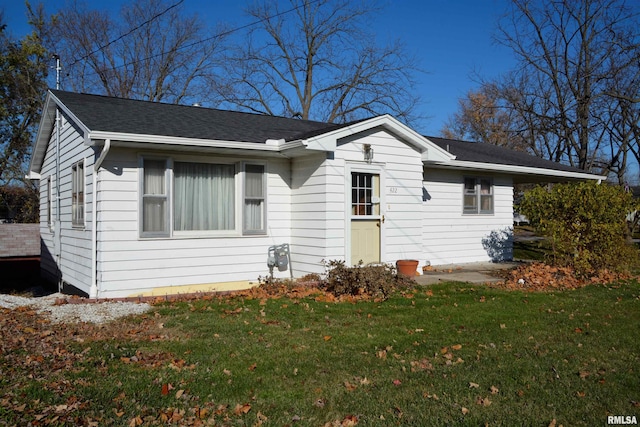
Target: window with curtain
x=203, y=196
x=478, y=196
x=254, y=199
x=192, y=198
x=154, y=198
x=77, y=194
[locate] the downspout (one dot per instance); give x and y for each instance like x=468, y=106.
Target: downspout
x=57, y=243
x=93, y=291
x=57, y=226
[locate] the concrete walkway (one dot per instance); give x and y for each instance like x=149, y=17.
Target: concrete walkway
x=480, y=272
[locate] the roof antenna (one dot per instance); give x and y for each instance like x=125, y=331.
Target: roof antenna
x=57, y=58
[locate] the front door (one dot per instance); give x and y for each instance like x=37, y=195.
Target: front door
x=365, y=217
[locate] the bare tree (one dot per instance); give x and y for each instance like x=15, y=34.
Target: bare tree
x=153, y=51
x=569, y=54
x=314, y=59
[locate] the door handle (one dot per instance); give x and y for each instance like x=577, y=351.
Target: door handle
x=383, y=219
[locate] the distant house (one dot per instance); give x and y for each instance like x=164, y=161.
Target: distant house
x=141, y=198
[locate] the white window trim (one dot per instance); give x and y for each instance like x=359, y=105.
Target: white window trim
x=478, y=195
x=263, y=231
x=74, y=168
x=237, y=231
x=168, y=168
x=48, y=212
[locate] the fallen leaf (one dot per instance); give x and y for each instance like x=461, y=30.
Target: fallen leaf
x=165, y=389
x=349, y=386
x=242, y=409
x=456, y=347
x=253, y=367
x=349, y=421
x=553, y=423
x=483, y=401
x=226, y=372
x=494, y=390
x=465, y=411
x=327, y=337
x=319, y=403
x=179, y=393
x=397, y=382
x=474, y=385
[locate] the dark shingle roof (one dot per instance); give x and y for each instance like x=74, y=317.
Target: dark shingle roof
x=489, y=153
x=119, y=115
x=108, y=114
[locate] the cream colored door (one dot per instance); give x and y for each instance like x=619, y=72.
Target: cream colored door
x=365, y=218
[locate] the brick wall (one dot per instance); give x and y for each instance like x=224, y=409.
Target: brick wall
x=19, y=240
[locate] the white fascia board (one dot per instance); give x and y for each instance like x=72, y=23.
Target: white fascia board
x=516, y=170
x=328, y=141
x=45, y=128
x=177, y=141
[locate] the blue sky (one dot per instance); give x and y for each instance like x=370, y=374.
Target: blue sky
x=451, y=38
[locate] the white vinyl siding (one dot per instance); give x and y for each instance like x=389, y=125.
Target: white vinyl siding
x=129, y=265
x=322, y=201
x=70, y=260
x=449, y=235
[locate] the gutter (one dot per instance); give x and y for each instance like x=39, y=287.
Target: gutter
x=93, y=291
x=515, y=170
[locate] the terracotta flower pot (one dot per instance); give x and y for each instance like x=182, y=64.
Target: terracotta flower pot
x=407, y=267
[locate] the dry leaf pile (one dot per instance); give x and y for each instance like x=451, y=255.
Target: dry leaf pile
x=542, y=277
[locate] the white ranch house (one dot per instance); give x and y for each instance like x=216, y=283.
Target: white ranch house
x=140, y=198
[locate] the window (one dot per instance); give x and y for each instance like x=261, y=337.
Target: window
x=197, y=198
x=46, y=196
x=254, y=196
x=478, y=196
x=203, y=197
x=364, y=191
x=154, y=198
x=77, y=194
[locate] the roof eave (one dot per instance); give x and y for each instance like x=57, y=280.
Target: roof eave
x=46, y=127
x=518, y=170
x=134, y=138
x=328, y=141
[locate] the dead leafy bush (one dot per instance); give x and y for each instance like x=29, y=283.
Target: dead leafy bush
x=541, y=277
x=376, y=281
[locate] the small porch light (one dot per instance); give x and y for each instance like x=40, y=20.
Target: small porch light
x=368, y=153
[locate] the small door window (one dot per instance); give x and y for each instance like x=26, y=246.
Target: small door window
x=365, y=194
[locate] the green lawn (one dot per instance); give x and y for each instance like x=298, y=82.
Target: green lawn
x=452, y=354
